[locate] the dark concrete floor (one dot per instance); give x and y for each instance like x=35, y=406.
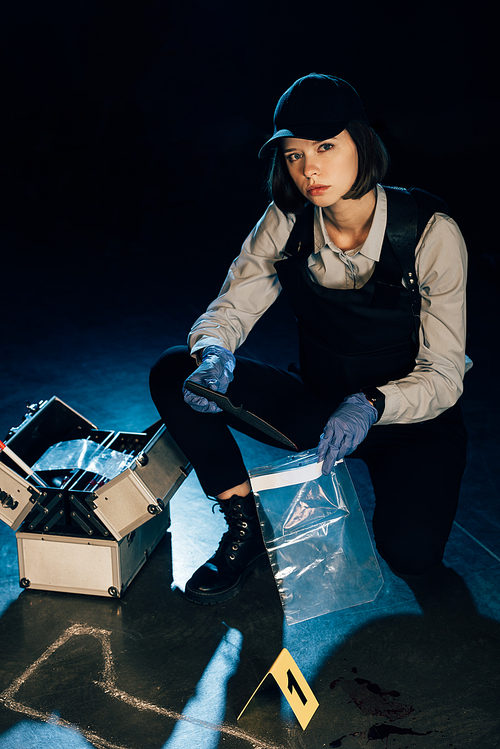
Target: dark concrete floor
x=150, y=671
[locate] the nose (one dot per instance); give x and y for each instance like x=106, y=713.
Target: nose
x=311, y=167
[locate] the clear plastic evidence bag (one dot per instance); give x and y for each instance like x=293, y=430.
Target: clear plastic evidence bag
x=85, y=455
x=316, y=537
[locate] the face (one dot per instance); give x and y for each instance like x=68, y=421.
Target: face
x=324, y=171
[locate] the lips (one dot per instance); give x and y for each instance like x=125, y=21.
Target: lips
x=315, y=190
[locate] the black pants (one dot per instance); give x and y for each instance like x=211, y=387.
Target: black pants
x=415, y=469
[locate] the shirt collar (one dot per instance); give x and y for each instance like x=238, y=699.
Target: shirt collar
x=372, y=245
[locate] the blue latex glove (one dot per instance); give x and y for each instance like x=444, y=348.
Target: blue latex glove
x=215, y=372
x=345, y=430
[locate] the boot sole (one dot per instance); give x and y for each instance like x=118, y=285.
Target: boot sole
x=209, y=599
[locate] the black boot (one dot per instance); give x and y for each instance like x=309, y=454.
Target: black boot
x=241, y=550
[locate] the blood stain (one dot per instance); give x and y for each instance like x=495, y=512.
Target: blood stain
x=371, y=699
x=379, y=733
x=383, y=731
x=376, y=689
x=337, y=742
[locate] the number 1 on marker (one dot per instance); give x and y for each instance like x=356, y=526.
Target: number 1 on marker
x=293, y=684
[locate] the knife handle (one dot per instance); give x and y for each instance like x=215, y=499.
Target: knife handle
x=213, y=395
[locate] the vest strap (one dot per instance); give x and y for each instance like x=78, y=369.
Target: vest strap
x=401, y=231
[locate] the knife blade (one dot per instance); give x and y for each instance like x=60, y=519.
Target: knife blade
x=239, y=412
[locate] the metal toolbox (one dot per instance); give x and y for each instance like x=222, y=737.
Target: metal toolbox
x=80, y=528
x=73, y=564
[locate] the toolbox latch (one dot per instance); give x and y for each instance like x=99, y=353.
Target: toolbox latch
x=7, y=501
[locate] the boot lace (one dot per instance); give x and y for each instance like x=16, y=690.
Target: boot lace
x=237, y=530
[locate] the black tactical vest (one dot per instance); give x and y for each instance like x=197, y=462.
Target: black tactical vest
x=351, y=339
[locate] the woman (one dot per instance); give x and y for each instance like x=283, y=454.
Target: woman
x=376, y=279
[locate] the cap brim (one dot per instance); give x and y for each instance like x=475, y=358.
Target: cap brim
x=308, y=132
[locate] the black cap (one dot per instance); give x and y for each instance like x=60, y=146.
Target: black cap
x=314, y=108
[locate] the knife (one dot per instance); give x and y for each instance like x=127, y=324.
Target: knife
x=223, y=402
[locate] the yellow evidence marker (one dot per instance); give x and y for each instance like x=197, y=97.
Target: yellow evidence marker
x=293, y=685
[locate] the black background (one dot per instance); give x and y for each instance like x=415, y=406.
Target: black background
x=130, y=177
x=131, y=132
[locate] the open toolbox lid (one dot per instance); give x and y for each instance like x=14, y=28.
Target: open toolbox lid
x=142, y=490
x=93, y=504
x=45, y=423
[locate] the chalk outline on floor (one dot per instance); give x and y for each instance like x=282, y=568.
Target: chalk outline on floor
x=108, y=685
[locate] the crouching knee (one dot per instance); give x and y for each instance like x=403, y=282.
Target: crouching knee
x=170, y=370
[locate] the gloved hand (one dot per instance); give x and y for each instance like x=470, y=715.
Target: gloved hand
x=215, y=372
x=345, y=430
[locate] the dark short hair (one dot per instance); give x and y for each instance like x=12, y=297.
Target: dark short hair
x=373, y=162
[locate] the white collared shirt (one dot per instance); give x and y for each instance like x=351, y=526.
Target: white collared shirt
x=357, y=265
x=252, y=285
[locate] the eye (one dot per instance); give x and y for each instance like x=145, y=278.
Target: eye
x=291, y=157
x=325, y=146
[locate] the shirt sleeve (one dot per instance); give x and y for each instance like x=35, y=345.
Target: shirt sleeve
x=250, y=287
x=436, y=382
